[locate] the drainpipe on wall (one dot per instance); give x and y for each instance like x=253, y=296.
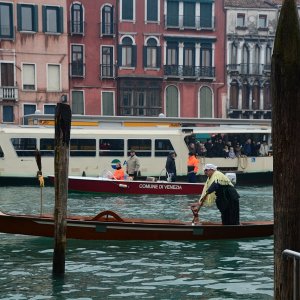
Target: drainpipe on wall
x=117, y=96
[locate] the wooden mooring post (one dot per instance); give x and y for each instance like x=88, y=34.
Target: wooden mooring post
x=285, y=83
x=61, y=161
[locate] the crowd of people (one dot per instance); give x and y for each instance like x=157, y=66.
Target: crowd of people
x=229, y=149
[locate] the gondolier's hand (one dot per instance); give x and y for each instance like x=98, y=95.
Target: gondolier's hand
x=195, y=208
x=41, y=180
x=201, y=201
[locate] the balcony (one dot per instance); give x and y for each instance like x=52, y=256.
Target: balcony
x=107, y=71
x=77, y=27
x=77, y=69
x=8, y=93
x=197, y=23
x=249, y=69
x=189, y=72
x=107, y=29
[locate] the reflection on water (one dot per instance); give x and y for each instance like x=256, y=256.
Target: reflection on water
x=137, y=270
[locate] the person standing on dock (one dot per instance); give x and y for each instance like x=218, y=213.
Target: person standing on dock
x=192, y=167
x=220, y=189
x=133, y=165
x=171, y=167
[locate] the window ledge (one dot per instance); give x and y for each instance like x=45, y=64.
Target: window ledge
x=27, y=32
x=263, y=29
x=126, y=68
x=53, y=33
x=151, y=69
x=241, y=27
x=152, y=22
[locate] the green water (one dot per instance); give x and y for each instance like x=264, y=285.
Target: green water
x=137, y=270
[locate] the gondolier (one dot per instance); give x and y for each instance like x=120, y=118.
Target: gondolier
x=219, y=188
x=133, y=165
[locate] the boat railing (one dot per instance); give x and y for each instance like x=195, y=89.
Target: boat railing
x=296, y=267
x=160, y=174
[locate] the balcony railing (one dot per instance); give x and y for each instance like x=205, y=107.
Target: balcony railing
x=139, y=111
x=107, y=71
x=8, y=93
x=182, y=22
x=77, y=27
x=77, y=69
x=249, y=69
x=189, y=71
x=107, y=28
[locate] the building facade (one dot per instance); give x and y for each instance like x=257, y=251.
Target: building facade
x=250, y=33
x=143, y=58
x=180, y=58
x=33, y=57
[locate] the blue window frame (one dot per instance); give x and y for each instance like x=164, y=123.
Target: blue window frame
x=53, y=19
x=172, y=13
x=107, y=20
x=27, y=17
x=152, y=54
x=127, y=10
x=77, y=19
x=205, y=15
x=127, y=53
x=6, y=20
x=152, y=10
x=77, y=65
x=189, y=14
x=8, y=113
x=49, y=109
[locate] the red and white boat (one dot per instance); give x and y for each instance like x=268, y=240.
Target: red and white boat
x=138, y=187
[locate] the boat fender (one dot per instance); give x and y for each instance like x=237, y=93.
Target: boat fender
x=124, y=186
x=231, y=177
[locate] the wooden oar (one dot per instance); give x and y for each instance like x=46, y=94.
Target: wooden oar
x=40, y=176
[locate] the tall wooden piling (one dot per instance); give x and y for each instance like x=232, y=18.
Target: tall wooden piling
x=286, y=145
x=61, y=161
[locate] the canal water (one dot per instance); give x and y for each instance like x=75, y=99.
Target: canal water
x=234, y=269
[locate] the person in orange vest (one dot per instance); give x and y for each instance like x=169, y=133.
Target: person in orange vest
x=192, y=167
x=119, y=172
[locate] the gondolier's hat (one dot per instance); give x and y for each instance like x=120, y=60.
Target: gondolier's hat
x=210, y=167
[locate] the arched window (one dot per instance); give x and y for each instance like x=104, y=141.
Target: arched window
x=107, y=27
x=267, y=96
x=127, y=53
x=268, y=58
x=245, y=95
x=245, y=60
x=256, y=95
x=234, y=95
x=76, y=19
x=206, y=104
x=233, y=56
x=152, y=54
x=256, y=65
x=172, y=109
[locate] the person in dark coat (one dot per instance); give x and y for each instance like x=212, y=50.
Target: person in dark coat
x=220, y=189
x=171, y=167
